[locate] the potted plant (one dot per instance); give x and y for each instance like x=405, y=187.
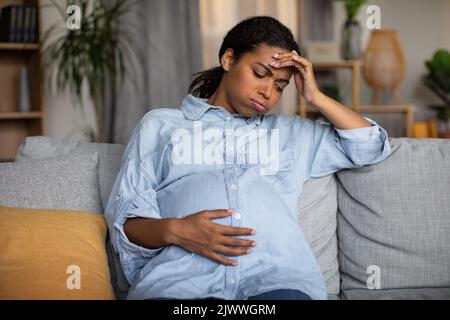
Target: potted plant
x=351, y=31
x=438, y=81
x=99, y=53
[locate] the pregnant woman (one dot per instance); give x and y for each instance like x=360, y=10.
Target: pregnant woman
x=205, y=203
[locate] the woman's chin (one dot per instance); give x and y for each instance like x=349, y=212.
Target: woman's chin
x=251, y=114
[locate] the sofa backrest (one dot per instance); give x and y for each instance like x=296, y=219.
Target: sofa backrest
x=317, y=219
x=394, y=224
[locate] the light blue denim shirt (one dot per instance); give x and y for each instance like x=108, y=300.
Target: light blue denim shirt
x=186, y=160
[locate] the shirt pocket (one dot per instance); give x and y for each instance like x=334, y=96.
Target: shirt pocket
x=280, y=173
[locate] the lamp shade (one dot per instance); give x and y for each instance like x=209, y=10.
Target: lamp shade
x=384, y=60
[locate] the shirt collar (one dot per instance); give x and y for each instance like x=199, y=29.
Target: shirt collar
x=194, y=108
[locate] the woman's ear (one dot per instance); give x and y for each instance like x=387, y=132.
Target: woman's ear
x=227, y=59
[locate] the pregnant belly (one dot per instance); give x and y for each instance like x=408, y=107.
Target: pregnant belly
x=193, y=193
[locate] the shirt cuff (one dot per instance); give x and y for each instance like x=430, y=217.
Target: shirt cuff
x=366, y=134
x=127, y=246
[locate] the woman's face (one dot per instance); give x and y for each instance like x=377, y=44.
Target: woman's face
x=251, y=85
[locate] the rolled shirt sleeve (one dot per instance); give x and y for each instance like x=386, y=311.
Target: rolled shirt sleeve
x=334, y=149
x=133, y=196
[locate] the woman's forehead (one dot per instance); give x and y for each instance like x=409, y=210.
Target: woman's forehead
x=264, y=56
x=267, y=52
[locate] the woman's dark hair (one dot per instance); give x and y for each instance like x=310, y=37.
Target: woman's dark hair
x=245, y=37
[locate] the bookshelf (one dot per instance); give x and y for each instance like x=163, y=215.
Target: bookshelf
x=16, y=125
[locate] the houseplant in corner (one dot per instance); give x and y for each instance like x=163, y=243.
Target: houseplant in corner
x=98, y=54
x=351, y=31
x=438, y=81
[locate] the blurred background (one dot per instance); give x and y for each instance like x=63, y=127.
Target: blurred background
x=89, y=72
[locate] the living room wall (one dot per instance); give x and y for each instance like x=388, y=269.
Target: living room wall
x=423, y=27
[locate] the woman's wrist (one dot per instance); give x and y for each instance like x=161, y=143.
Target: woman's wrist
x=317, y=99
x=171, y=229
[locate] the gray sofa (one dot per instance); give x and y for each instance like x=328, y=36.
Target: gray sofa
x=378, y=232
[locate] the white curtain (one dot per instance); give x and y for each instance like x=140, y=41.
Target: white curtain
x=169, y=32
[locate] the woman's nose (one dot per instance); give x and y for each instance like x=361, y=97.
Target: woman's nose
x=266, y=91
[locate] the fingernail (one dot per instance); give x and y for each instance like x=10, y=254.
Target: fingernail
x=235, y=263
x=276, y=55
x=253, y=232
x=254, y=244
x=230, y=210
x=248, y=251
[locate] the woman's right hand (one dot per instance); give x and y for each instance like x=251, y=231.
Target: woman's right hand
x=197, y=233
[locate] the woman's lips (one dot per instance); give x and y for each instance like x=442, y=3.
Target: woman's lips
x=258, y=106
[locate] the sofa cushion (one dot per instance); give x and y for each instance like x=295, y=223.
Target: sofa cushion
x=317, y=219
x=110, y=157
x=53, y=254
x=394, y=221
x=397, y=294
x=58, y=183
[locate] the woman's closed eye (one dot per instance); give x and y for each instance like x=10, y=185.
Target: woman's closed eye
x=261, y=76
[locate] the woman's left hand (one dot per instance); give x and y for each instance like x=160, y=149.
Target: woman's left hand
x=304, y=78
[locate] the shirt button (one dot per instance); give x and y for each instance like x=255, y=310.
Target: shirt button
x=232, y=280
x=233, y=187
x=118, y=197
x=237, y=216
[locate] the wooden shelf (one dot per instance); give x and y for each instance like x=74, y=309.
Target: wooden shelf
x=15, y=126
x=20, y=115
x=19, y=46
x=386, y=109
x=355, y=66
x=345, y=64
x=406, y=110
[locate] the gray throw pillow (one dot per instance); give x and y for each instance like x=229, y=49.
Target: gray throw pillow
x=58, y=183
x=394, y=221
x=110, y=157
x=317, y=219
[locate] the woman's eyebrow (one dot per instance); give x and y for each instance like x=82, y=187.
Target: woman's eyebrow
x=269, y=70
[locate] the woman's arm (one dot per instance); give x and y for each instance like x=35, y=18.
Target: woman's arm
x=149, y=233
x=195, y=233
x=348, y=141
x=341, y=117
